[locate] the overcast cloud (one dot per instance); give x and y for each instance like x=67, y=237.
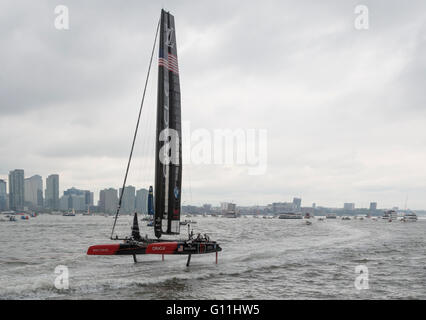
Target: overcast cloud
x=344, y=109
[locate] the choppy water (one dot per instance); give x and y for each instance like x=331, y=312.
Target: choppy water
x=261, y=259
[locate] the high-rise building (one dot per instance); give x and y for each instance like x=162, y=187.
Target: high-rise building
x=142, y=201
x=108, y=200
x=349, y=206
x=207, y=208
x=89, y=198
x=74, y=198
x=297, y=203
x=77, y=202
x=373, y=206
x=52, y=192
x=16, y=190
x=228, y=206
x=129, y=200
x=3, y=195
x=33, y=194
x=63, y=203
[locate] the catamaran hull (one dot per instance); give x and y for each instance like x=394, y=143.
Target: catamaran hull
x=162, y=248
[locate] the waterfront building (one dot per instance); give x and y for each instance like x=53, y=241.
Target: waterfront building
x=52, y=192
x=33, y=191
x=16, y=190
x=142, y=201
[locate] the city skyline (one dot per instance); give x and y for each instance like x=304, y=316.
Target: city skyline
x=96, y=198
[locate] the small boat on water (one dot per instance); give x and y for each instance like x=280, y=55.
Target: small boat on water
x=346, y=218
x=12, y=218
x=69, y=214
x=186, y=222
x=331, y=216
x=308, y=222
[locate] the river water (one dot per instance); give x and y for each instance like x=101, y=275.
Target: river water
x=261, y=259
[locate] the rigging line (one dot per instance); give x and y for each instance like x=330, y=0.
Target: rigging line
x=136, y=132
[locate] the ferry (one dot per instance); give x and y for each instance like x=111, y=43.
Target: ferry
x=291, y=215
x=231, y=214
x=409, y=217
x=390, y=215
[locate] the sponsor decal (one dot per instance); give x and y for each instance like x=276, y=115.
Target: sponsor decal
x=162, y=248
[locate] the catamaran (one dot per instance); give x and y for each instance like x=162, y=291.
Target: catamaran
x=168, y=165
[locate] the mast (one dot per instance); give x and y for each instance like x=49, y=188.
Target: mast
x=168, y=157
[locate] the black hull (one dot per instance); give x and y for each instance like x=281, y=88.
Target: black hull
x=156, y=247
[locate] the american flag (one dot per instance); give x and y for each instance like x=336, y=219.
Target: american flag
x=170, y=63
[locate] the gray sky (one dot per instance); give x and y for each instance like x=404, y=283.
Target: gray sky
x=344, y=109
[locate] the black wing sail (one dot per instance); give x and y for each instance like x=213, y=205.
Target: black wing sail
x=168, y=163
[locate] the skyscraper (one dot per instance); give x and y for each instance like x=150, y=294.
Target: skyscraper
x=85, y=194
x=297, y=203
x=129, y=200
x=108, y=200
x=3, y=195
x=142, y=201
x=349, y=206
x=52, y=192
x=33, y=191
x=16, y=190
x=373, y=206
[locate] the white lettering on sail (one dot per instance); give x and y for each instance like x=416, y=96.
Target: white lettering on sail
x=166, y=88
x=166, y=116
x=169, y=37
